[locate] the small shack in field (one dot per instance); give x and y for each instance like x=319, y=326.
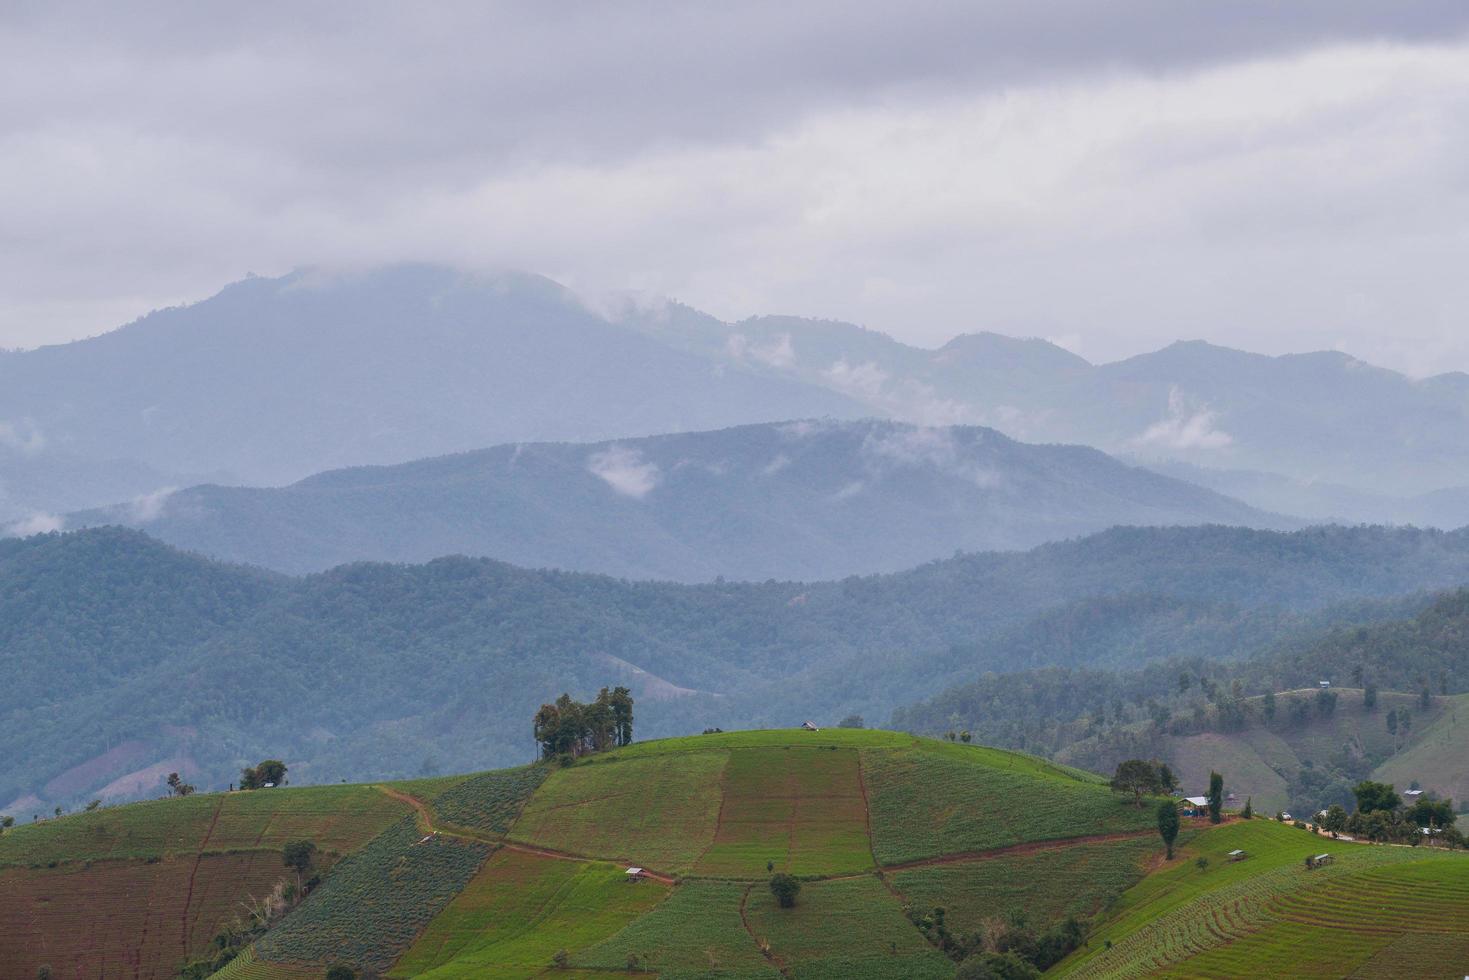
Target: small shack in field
x=809, y=726
x=1194, y=806
x=1320, y=860
x=1237, y=855
x=636, y=874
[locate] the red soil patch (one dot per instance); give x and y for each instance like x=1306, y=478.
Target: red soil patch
x=124, y=918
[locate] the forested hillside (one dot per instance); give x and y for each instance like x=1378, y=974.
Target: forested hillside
x=1395, y=708
x=396, y=670
x=797, y=500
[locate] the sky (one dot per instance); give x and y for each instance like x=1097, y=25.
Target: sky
x=1274, y=177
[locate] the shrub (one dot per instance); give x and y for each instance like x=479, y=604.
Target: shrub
x=785, y=888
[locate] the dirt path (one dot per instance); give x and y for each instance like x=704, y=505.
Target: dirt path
x=775, y=960
x=193, y=873
x=866, y=808
x=423, y=818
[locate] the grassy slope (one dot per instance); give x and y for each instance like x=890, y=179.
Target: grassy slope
x=1254, y=759
x=1436, y=756
x=150, y=884
x=721, y=806
x=1269, y=915
x=714, y=807
x=519, y=910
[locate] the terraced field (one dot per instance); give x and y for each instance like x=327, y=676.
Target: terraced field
x=1270, y=915
x=799, y=808
x=513, y=916
x=661, y=811
x=521, y=873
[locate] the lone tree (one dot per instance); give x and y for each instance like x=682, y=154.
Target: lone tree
x=1139, y=777
x=271, y=772
x=299, y=855
x=1216, y=796
x=785, y=888
x=1168, y=825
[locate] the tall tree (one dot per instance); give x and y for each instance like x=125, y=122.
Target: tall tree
x=622, y=714
x=1216, y=796
x=1168, y=825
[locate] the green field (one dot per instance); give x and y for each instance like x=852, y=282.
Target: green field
x=1048, y=885
x=846, y=928
x=497, y=873
x=658, y=811
x=800, y=808
x=934, y=799
x=511, y=919
x=490, y=802
x=1269, y=915
x=338, y=818
x=695, y=933
x=372, y=906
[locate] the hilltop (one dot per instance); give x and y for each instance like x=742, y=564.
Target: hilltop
x=126, y=659
x=495, y=873
x=794, y=500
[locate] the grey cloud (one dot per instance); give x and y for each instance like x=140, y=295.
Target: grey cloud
x=723, y=153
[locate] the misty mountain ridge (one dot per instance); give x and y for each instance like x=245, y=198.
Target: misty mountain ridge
x=1313, y=417
x=794, y=500
x=273, y=379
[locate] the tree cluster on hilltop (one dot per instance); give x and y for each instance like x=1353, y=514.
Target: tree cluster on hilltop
x=570, y=728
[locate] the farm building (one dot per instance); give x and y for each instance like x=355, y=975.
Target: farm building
x=1411, y=795
x=1194, y=806
x=636, y=874
x=1237, y=855
x=1323, y=684
x=810, y=726
x=1318, y=861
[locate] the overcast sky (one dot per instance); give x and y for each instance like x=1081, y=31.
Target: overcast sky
x=1114, y=176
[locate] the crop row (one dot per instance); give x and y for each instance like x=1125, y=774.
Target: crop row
x=375, y=901
x=489, y=802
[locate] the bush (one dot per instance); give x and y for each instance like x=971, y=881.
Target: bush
x=785, y=888
x=341, y=973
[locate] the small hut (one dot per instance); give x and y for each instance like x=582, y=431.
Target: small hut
x=636, y=874
x=1237, y=855
x=809, y=726
x=1319, y=861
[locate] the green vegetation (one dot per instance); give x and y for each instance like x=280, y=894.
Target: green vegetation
x=414, y=643
x=1251, y=916
x=798, y=807
x=571, y=728
x=373, y=904
x=696, y=932
x=845, y=928
x=489, y=802
x=661, y=811
x=930, y=800
x=512, y=917
x=1049, y=884
x=338, y=818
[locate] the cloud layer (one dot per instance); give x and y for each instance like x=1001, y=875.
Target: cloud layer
x=1277, y=177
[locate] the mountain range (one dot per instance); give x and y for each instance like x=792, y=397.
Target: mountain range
x=801, y=500
x=272, y=380
x=126, y=659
